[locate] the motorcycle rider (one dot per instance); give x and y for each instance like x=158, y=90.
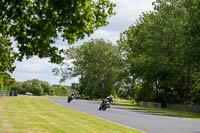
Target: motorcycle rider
x=71, y=96
x=108, y=99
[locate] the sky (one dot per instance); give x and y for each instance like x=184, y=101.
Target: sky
x=127, y=13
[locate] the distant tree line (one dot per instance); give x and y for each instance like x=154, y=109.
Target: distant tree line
x=38, y=88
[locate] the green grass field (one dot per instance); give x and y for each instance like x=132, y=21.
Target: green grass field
x=26, y=114
x=160, y=111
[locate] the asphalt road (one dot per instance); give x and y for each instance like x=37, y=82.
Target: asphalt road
x=147, y=122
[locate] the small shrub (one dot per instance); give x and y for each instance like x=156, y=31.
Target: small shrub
x=133, y=101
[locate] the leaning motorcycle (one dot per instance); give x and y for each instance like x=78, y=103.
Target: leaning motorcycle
x=104, y=105
x=70, y=98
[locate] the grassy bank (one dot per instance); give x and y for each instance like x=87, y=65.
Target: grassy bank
x=25, y=114
x=161, y=111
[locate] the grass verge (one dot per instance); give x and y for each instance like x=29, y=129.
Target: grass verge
x=160, y=111
x=25, y=114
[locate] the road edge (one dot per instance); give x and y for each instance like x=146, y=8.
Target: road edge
x=100, y=117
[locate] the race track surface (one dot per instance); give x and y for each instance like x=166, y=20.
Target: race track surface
x=147, y=122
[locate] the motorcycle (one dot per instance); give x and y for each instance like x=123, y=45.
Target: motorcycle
x=104, y=105
x=70, y=98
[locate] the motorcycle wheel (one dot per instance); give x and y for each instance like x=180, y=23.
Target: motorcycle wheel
x=104, y=108
x=69, y=100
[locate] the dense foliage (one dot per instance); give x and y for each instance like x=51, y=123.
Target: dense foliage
x=7, y=58
x=35, y=24
x=162, y=52
x=99, y=65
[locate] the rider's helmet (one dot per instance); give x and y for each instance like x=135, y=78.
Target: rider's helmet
x=72, y=94
x=110, y=99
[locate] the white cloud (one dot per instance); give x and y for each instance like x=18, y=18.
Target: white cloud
x=36, y=68
x=106, y=34
x=127, y=12
x=34, y=65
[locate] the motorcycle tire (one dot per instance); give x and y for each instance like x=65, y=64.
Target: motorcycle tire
x=104, y=108
x=69, y=100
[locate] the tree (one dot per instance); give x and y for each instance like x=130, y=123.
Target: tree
x=6, y=81
x=98, y=63
x=76, y=86
x=7, y=58
x=33, y=86
x=61, y=90
x=17, y=86
x=7, y=55
x=35, y=24
x=46, y=87
x=161, y=49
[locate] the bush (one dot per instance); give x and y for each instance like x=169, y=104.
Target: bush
x=133, y=101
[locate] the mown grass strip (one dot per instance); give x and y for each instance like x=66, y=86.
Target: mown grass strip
x=26, y=114
x=161, y=111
